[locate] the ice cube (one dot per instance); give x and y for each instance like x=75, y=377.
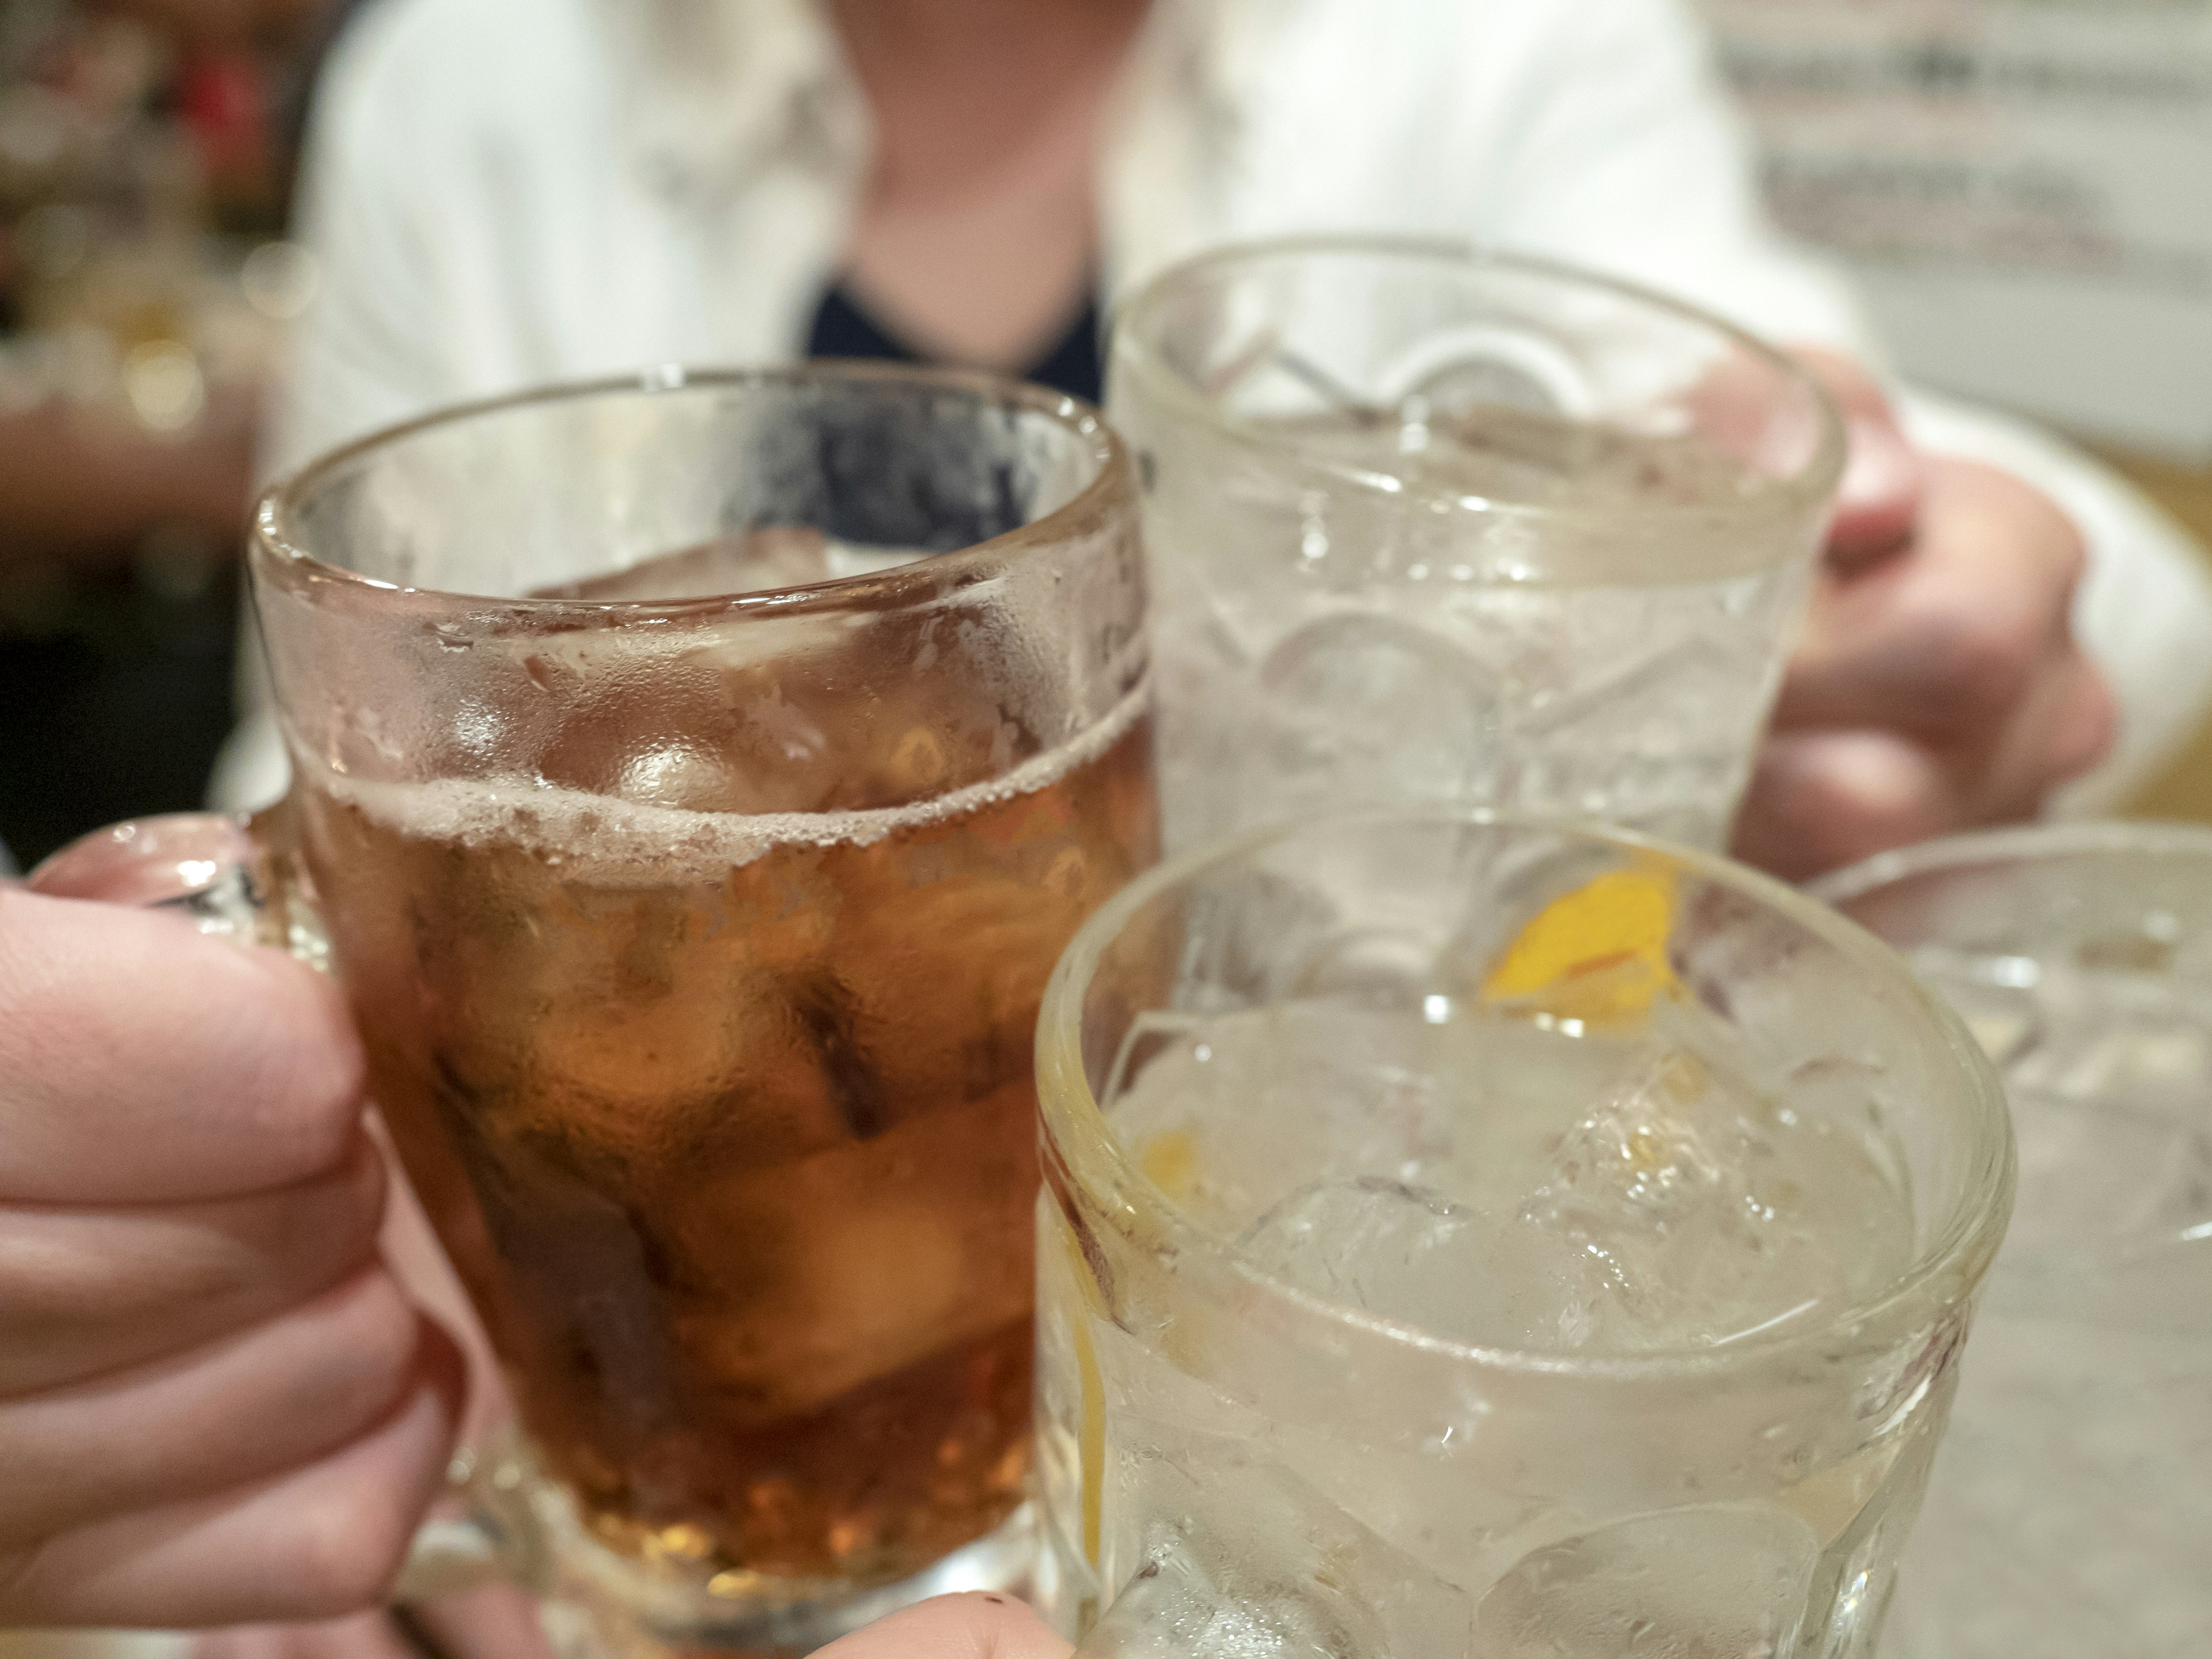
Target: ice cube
x=1232, y=1115
x=1689, y=1207
x=1402, y=1251
x=1680, y=1210
x=750, y=561
x=1521, y=453
x=2116, y=1039
x=1235, y=1556
x=2108, y=1069
x=1439, y=1172
x=2101, y=1173
x=1685, y=1583
x=1386, y=706
x=1174, y=1608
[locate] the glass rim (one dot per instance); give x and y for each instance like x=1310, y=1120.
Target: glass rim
x=1811, y=484
x=2017, y=843
x=1067, y=1109
x=278, y=554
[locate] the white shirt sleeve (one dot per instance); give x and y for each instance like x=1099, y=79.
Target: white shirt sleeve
x=1625, y=154
x=363, y=356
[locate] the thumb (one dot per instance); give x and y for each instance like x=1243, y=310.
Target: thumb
x=1878, y=502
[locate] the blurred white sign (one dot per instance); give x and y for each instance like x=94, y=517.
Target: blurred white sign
x=2024, y=188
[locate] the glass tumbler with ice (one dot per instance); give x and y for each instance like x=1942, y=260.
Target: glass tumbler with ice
x=2071, y=1509
x=1472, y=1237
x=1434, y=524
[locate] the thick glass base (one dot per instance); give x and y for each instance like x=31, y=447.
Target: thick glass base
x=1063, y=1586
x=599, y=1605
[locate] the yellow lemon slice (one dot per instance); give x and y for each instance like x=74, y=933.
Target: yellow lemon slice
x=1597, y=954
x=1170, y=1161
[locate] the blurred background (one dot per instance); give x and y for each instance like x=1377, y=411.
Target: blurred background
x=2018, y=188
x=146, y=153
x=2018, y=184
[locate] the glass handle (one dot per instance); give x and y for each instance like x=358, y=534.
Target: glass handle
x=231, y=877
x=483, y=1531
x=212, y=868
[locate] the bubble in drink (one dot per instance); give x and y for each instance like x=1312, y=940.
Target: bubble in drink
x=711, y=1060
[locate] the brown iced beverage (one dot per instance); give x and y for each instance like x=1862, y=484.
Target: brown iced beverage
x=695, y=778
x=715, y=1076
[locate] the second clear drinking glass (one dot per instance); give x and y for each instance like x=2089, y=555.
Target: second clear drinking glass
x=1484, y=1238
x=1435, y=524
x=2071, y=1510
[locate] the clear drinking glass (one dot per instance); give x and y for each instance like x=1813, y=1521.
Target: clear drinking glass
x=1472, y=1237
x=2071, y=1509
x=1433, y=523
x=695, y=782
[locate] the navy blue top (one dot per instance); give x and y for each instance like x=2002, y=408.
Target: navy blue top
x=842, y=329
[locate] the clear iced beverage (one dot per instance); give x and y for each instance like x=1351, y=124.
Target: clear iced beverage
x=695, y=782
x=1429, y=526
x=2071, y=1509
x=1484, y=1239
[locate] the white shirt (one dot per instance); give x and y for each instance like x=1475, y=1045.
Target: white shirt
x=505, y=192
x=510, y=191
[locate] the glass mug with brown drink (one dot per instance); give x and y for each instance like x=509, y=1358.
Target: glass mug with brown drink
x=694, y=780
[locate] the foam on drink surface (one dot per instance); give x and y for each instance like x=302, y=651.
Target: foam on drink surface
x=660, y=761
x=604, y=839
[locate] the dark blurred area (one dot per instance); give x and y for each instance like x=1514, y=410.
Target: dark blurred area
x=146, y=153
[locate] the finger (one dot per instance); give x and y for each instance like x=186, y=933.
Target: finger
x=370, y=1635
x=1822, y=799
x=2079, y=723
x=142, y=1063
x=1879, y=499
x=278, y=1397
x=310, y=1544
x=83, y=1292
x=2063, y=727
x=979, y=1625
x=419, y=1263
x=1943, y=640
x=1819, y=799
x=494, y=1622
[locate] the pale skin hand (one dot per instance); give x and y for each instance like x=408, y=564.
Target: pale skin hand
x=497, y=1625
x=217, y=1404
x=1938, y=686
